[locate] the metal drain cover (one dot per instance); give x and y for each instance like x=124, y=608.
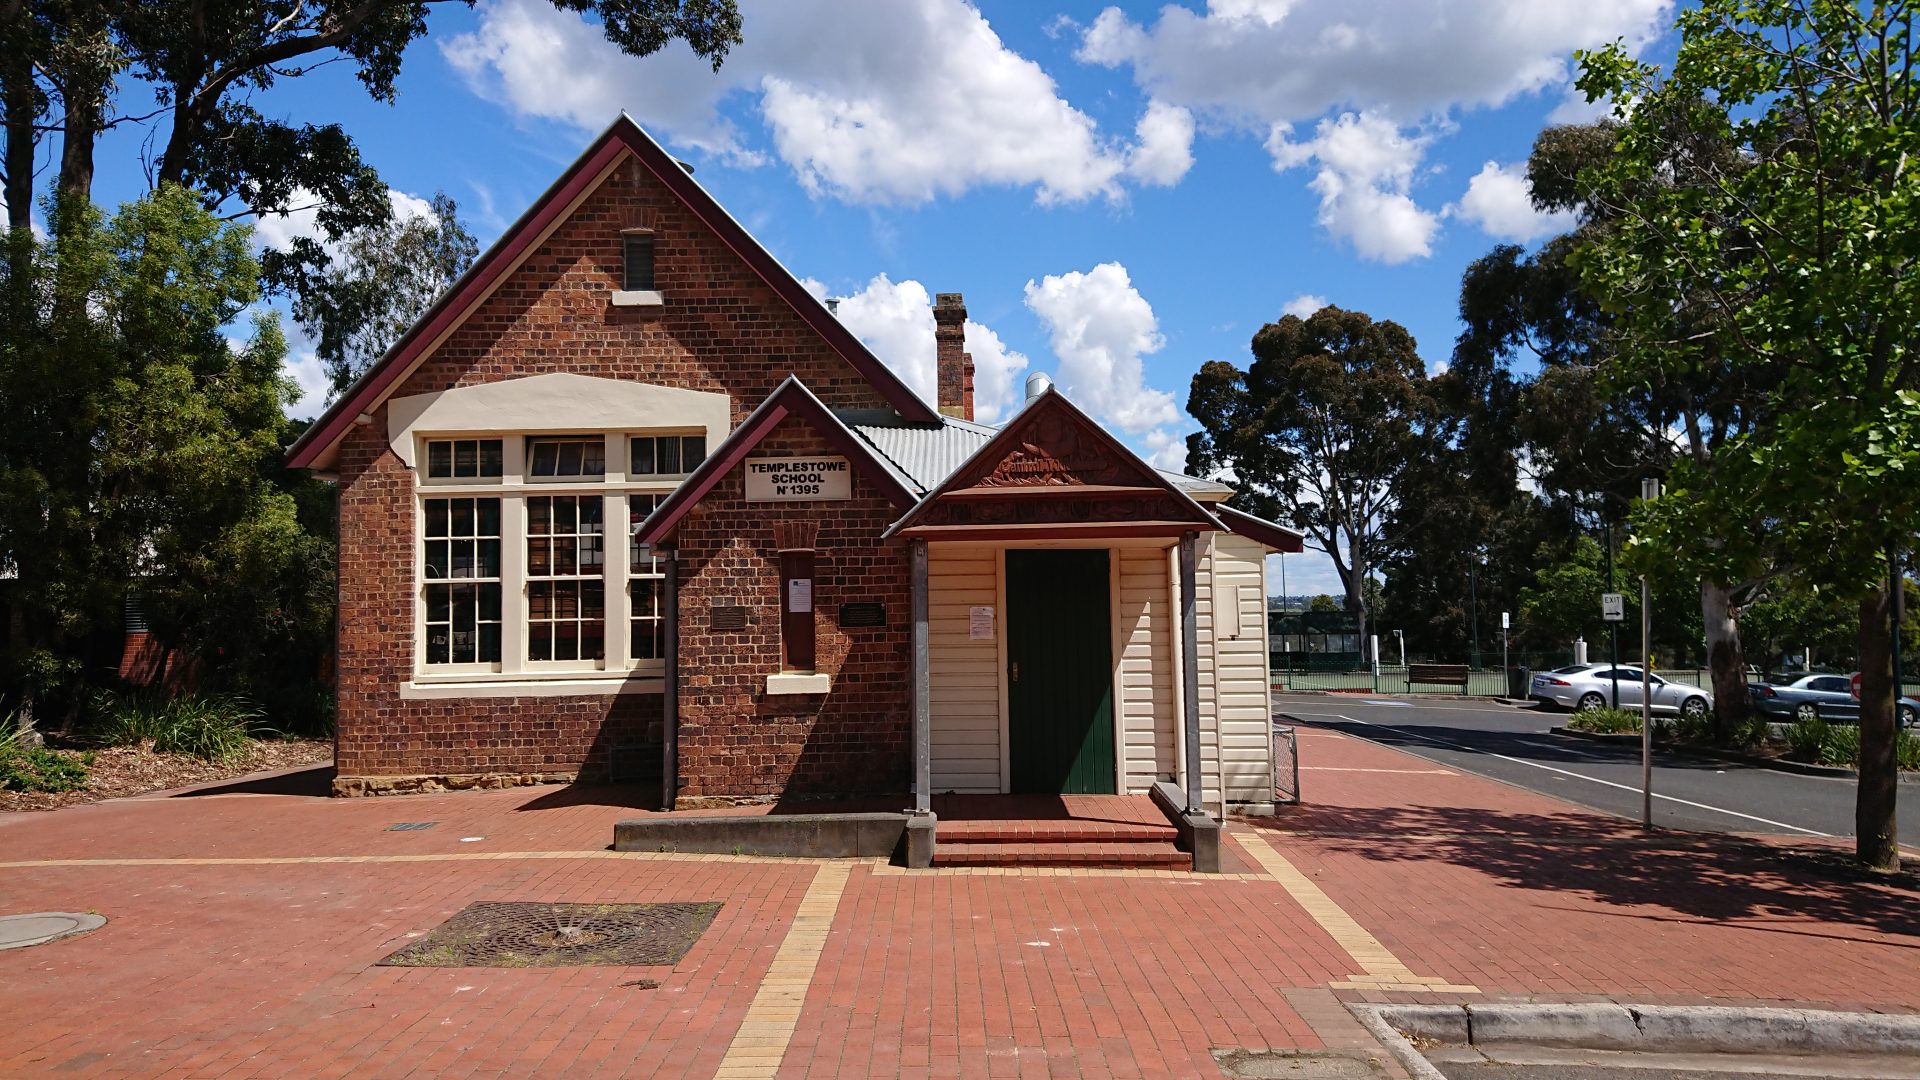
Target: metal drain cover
x=20, y=931
x=490, y=934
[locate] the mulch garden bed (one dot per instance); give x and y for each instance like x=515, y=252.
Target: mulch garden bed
x=120, y=771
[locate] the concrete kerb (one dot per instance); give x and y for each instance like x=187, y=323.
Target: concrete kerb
x=1710, y=1029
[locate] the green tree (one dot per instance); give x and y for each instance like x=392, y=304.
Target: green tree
x=384, y=277
x=137, y=425
x=1797, y=255
x=1323, y=604
x=1319, y=430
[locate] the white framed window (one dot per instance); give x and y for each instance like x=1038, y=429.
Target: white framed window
x=520, y=577
x=665, y=455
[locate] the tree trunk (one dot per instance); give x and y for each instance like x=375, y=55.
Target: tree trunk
x=1875, y=828
x=1726, y=659
x=19, y=99
x=1357, y=605
x=82, y=127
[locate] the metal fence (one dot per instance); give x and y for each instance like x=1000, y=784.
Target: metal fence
x=1481, y=682
x=1286, y=766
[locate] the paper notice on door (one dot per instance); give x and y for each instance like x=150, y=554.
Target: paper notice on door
x=800, y=594
x=980, y=624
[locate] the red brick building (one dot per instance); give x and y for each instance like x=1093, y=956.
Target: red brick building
x=630, y=501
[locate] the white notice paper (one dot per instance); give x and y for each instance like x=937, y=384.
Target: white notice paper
x=980, y=624
x=800, y=594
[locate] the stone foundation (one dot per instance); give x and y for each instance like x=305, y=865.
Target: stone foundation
x=354, y=786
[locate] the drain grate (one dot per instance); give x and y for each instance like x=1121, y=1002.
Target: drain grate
x=411, y=826
x=491, y=934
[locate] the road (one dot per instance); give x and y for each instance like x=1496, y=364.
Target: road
x=1515, y=745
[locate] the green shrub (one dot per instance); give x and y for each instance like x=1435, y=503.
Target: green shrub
x=213, y=727
x=1693, y=729
x=1907, y=750
x=22, y=769
x=1806, y=738
x=1753, y=732
x=1605, y=721
x=1663, y=730
x=1841, y=746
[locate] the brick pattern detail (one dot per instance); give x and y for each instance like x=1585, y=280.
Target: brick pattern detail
x=735, y=739
x=721, y=329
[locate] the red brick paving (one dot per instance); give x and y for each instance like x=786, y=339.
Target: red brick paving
x=268, y=969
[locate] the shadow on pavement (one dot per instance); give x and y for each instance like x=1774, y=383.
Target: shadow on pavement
x=314, y=781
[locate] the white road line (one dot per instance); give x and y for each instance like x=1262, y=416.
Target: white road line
x=1580, y=776
x=1424, y=707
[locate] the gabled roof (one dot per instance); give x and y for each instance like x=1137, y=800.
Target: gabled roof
x=623, y=137
x=791, y=398
x=1009, y=438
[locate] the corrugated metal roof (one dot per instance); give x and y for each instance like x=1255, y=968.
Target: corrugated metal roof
x=1192, y=484
x=923, y=454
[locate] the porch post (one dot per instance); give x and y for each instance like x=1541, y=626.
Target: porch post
x=670, y=690
x=922, y=686
x=1190, y=671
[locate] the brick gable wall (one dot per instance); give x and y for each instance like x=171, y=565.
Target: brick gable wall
x=735, y=739
x=721, y=329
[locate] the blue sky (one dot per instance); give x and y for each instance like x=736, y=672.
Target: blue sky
x=1121, y=192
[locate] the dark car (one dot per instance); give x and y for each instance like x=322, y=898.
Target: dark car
x=1824, y=697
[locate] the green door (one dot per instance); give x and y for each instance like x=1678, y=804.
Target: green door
x=1059, y=672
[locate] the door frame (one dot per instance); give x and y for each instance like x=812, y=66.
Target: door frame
x=1116, y=715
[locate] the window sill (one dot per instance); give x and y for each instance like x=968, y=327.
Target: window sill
x=638, y=298
x=794, y=683
x=428, y=687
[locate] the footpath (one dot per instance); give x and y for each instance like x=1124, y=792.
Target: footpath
x=246, y=925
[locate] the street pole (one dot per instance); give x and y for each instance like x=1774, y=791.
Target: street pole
x=1896, y=580
x=1613, y=628
x=1649, y=491
x=1473, y=603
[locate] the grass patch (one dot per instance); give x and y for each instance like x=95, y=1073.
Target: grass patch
x=211, y=727
x=36, y=769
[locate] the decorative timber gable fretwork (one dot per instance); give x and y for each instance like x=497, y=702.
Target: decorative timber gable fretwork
x=1053, y=472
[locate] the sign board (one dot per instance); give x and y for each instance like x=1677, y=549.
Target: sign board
x=979, y=624
x=800, y=594
x=798, y=479
x=1506, y=621
x=1613, y=607
x=1853, y=685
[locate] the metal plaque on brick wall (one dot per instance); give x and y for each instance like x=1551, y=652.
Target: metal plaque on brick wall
x=727, y=617
x=863, y=614
x=798, y=479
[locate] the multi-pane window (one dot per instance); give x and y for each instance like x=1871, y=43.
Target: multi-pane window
x=566, y=578
x=464, y=459
x=462, y=561
x=584, y=458
x=646, y=587
x=537, y=575
x=665, y=455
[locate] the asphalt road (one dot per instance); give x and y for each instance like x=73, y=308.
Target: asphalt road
x=1514, y=745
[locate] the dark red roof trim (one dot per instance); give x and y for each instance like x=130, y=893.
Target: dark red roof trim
x=1010, y=434
x=791, y=398
x=1277, y=537
x=367, y=391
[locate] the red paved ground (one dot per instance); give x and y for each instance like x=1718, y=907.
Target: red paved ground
x=267, y=969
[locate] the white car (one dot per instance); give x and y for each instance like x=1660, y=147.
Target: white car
x=1590, y=686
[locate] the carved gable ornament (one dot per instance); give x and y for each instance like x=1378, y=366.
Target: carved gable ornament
x=1056, y=450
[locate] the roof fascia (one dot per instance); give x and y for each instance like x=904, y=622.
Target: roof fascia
x=790, y=399
x=1053, y=398
x=1273, y=535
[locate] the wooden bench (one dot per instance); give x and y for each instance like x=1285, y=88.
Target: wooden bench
x=1447, y=674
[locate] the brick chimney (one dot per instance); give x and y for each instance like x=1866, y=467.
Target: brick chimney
x=954, y=365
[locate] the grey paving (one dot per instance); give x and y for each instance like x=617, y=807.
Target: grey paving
x=1514, y=745
x=40, y=927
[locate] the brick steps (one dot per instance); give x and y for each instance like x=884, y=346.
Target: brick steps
x=1052, y=832
x=1079, y=853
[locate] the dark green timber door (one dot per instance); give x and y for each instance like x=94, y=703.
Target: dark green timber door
x=1059, y=672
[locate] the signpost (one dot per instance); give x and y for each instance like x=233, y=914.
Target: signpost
x=1613, y=608
x=1506, y=621
x=1649, y=491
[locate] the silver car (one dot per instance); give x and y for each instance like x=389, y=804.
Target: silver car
x=1590, y=686
x=1820, y=697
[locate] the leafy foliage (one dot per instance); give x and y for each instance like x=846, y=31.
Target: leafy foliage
x=213, y=727
x=1605, y=721
x=24, y=768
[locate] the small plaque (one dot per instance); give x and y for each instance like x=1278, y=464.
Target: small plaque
x=980, y=624
x=800, y=594
x=863, y=614
x=727, y=618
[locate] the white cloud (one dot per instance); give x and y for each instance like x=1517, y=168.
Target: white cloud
x=996, y=374
x=1266, y=65
x=1164, y=152
x=1101, y=328
x=870, y=101
x=1366, y=167
x=304, y=368
x=896, y=322
x=1498, y=201
x=1303, y=305
x=278, y=231
x=1166, y=450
